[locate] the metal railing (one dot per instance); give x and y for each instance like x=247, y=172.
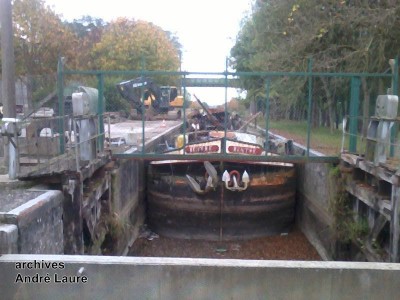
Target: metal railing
x=309, y=100
x=38, y=144
x=375, y=139
x=306, y=97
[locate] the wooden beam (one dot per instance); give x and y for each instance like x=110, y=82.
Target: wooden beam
x=395, y=225
x=378, y=226
x=370, y=198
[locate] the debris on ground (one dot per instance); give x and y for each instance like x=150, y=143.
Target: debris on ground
x=146, y=233
x=293, y=246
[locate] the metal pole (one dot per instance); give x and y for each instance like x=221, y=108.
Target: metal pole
x=143, y=109
x=395, y=84
x=309, y=112
x=395, y=91
x=267, y=88
x=226, y=104
x=109, y=130
x=8, y=69
x=100, y=112
x=184, y=111
x=13, y=163
x=60, y=93
x=77, y=152
x=354, y=105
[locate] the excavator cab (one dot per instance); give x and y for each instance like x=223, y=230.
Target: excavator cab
x=169, y=99
x=143, y=93
x=175, y=100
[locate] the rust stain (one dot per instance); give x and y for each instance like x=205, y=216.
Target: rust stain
x=273, y=179
x=180, y=181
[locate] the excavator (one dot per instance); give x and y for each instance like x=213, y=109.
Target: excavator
x=150, y=99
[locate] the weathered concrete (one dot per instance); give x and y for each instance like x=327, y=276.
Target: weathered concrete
x=8, y=239
x=72, y=216
x=1, y=146
x=314, y=192
x=39, y=217
x=312, y=212
x=155, y=132
x=179, y=278
x=127, y=202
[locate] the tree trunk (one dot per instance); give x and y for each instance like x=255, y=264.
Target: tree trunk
x=331, y=108
x=29, y=93
x=314, y=115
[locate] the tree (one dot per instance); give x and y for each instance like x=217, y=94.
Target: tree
x=133, y=45
x=340, y=36
x=89, y=31
x=40, y=38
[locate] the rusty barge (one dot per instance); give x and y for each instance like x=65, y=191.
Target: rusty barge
x=215, y=200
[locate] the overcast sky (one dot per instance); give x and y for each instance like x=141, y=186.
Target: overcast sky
x=206, y=29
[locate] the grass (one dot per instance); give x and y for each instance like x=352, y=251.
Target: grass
x=322, y=139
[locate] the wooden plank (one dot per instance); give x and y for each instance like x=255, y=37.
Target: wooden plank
x=369, y=197
x=95, y=190
x=377, y=171
x=367, y=166
x=351, y=159
x=378, y=226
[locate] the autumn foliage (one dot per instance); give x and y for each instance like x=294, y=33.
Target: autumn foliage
x=41, y=36
x=131, y=45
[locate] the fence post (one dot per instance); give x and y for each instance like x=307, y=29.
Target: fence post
x=144, y=110
x=354, y=106
x=100, y=112
x=267, y=88
x=395, y=91
x=309, y=109
x=184, y=111
x=60, y=94
x=226, y=105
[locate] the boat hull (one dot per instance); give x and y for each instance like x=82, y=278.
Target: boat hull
x=266, y=207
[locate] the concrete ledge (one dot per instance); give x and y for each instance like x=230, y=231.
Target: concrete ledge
x=32, y=209
x=39, y=223
x=8, y=239
x=7, y=183
x=180, y=278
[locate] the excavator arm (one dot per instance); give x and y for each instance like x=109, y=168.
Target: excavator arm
x=133, y=91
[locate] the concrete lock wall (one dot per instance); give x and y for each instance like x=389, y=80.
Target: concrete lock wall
x=127, y=202
x=314, y=192
x=33, y=227
x=180, y=278
x=8, y=238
